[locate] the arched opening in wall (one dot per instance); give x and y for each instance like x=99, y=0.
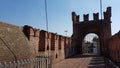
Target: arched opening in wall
x=91, y=44
x=56, y=56
x=47, y=47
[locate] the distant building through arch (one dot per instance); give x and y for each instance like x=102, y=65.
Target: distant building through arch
x=90, y=44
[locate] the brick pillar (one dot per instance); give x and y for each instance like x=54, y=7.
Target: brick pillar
x=33, y=36
x=48, y=43
x=36, y=40
x=62, y=49
x=56, y=52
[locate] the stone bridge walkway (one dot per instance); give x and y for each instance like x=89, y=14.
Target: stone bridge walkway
x=81, y=61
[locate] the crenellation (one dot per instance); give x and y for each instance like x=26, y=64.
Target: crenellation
x=95, y=16
x=86, y=17
x=56, y=37
x=62, y=38
x=75, y=18
x=109, y=11
x=107, y=14
x=28, y=30
x=48, y=34
x=36, y=32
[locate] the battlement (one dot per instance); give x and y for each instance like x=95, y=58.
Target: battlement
x=28, y=30
x=106, y=14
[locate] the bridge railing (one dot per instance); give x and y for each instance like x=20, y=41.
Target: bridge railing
x=110, y=64
x=39, y=62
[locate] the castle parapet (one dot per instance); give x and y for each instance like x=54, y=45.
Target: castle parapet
x=106, y=15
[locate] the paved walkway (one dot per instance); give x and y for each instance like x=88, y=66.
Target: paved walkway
x=81, y=61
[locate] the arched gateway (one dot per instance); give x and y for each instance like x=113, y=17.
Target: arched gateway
x=101, y=27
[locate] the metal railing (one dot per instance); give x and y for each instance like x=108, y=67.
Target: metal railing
x=110, y=64
x=39, y=62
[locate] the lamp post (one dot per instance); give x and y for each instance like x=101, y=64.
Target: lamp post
x=66, y=32
x=46, y=15
x=48, y=46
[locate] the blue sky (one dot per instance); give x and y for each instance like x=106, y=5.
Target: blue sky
x=32, y=12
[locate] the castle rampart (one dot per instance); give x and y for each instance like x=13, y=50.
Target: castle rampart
x=48, y=43
x=114, y=47
x=31, y=42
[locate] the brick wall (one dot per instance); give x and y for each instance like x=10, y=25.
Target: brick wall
x=114, y=47
x=48, y=43
x=33, y=36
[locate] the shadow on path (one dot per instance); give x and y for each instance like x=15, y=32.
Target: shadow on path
x=82, y=61
x=84, y=56
x=95, y=62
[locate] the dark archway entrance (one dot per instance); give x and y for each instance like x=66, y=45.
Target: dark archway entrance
x=101, y=27
x=90, y=44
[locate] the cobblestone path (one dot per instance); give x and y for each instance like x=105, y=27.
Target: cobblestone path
x=81, y=61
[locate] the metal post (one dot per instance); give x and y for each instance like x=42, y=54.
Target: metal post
x=101, y=8
x=48, y=62
x=46, y=15
x=46, y=24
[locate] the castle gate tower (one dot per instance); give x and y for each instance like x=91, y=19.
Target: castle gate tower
x=101, y=27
